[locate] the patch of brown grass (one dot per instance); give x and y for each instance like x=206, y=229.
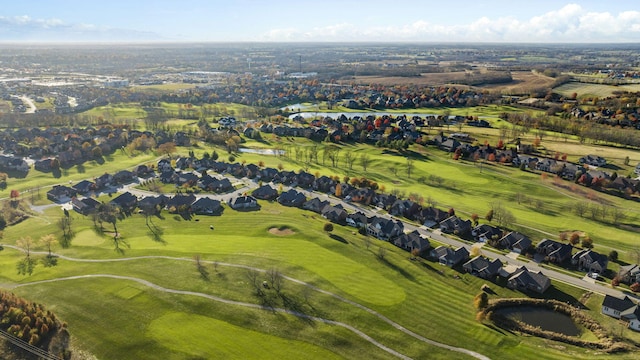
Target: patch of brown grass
x=281, y=231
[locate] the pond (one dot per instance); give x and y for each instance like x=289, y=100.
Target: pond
x=262, y=151
x=545, y=319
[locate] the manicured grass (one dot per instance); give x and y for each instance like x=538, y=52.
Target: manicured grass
x=436, y=301
x=173, y=330
x=593, y=90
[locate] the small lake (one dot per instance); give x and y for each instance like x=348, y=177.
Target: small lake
x=262, y=151
x=545, y=319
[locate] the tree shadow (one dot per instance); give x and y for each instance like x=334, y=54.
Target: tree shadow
x=397, y=268
x=338, y=238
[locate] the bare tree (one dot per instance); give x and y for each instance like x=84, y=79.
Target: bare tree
x=253, y=276
x=349, y=159
x=275, y=279
x=49, y=241
x=580, y=208
x=409, y=167
x=364, y=161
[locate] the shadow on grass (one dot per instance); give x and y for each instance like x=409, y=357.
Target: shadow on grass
x=498, y=330
x=338, y=238
x=397, y=268
x=554, y=293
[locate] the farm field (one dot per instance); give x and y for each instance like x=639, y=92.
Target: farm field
x=591, y=90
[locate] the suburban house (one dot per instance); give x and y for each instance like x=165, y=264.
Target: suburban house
x=486, y=232
x=629, y=274
x=590, y=261
x=335, y=214
x=593, y=160
x=84, y=187
x=180, y=203
x=124, y=177
x=85, y=206
x=207, y=206
x=431, y=216
x=243, y=203
x=103, y=181
x=152, y=204
x=455, y=225
x=482, y=267
x=384, y=229
x=449, y=256
x=265, y=192
x=126, y=201
x=405, y=208
x=525, y=280
x=515, y=242
x=554, y=251
x=292, y=198
x=624, y=309
x=314, y=204
x=358, y=220
x=60, y=193
x=412, y=241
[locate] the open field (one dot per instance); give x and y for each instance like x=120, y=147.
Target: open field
x=523, y=83
x=434, y=301
x=593, y=90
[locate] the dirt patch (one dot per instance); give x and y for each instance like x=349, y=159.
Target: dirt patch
x=281, y=231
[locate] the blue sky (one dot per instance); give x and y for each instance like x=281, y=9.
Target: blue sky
x=318, y=21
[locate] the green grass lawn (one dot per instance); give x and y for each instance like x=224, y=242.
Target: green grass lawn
x=122, y=319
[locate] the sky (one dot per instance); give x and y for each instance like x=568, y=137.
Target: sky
x=509, y=21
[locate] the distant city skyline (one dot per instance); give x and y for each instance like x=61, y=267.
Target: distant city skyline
x=542, y=21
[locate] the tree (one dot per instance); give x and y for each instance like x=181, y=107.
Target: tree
x=489, y=215
x=382, y=252
x=574, y=239
x=25, y=243
x=481, y=300
x=613, y=255
x=474, y=218
x=587, y=243
x=338, y=191
x=409, y=167
x=328, y=227
x=364, y=161
x=49, y=241
x=275, y=279
x=635, y=287
x=204, y=273
x=167, y=148
x=349, y=159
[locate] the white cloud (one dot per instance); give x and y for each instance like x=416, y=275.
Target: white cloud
x=25, y=28
x=571, y=23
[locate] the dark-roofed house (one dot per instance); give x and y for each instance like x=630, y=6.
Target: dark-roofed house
x=180, y=203
x=431, y=216
x=515, y=242
x=316, y=205
x=358, y=220
x=589, y=260
x=624, y=309
x=207, y=206
x=525, y=280
x=455, y=225
x=406, y=208
x=126, y=201
x=486, y=232
x=335, y=214
x=85, y=206
x=152, y=204
x=482, y=267
x=244, y=203
x=292, y=198
x=124, y=177
x=265, y=192
x=84, y=187
x=384, y=229
x=629, y=273
x=412, y=241
x=60, y=193
x=449, y=256
x=554, y=251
